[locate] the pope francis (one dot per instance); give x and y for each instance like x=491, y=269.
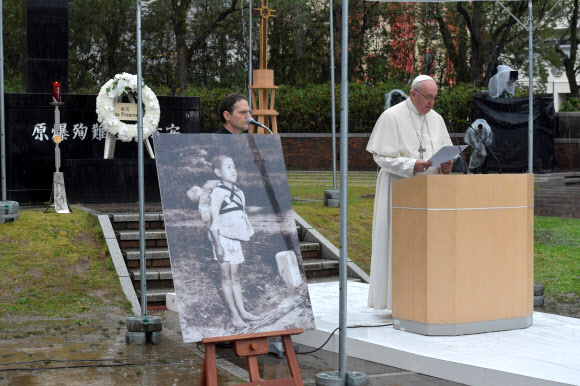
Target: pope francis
x=403, y=139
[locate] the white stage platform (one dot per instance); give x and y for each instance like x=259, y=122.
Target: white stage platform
x=547, y=353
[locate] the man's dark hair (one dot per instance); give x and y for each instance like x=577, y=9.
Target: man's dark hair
x=228, y=104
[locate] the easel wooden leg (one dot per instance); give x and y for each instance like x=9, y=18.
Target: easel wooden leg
x=292, y=360
x=253, y=370
x=209, y=372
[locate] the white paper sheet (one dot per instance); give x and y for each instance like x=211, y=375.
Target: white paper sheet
x=445, y=154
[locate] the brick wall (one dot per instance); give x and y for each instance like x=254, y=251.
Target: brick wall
x=314, y=152
x=567, y=154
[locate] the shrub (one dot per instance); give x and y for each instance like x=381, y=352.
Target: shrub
x=210, y=100
x=307, y=109
x=571, y=104
x=455, y=105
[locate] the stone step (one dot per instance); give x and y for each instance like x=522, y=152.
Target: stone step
x=130, y=238
x=150, y=234
x=557, y=201
x=131, y=221
x=557, y=193
x=309, y=250
x=152, y=273
x=572, y=180
x=314, y=264
x=164, y=273
x=559, y=205
x=134, y=217
x=155, y=295
x=558, y=212
x=558, y=189
x=163, y=253
x=321, y=268
x=150, y=253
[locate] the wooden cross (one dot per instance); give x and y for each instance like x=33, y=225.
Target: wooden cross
x=265, y=13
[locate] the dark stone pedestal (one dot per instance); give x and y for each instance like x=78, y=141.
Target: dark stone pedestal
x=106, y=181
x=30, y=152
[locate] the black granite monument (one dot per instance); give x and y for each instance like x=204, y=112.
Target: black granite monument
x=46, y=45
x=30, y=151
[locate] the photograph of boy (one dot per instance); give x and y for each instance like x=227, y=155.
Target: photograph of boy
x=229, y=226
x=231, y=233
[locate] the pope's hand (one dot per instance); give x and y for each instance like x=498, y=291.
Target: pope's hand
x=421, y=166
x=447, y=166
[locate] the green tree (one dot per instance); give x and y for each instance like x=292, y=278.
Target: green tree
x=101, y=41
x=298, y=42
x=194, y=25
x=14, y=33
x=560, y=33
x=158, y=48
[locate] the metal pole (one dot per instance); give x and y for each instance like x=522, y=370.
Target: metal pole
x=531, y=92
x=250, y=80
x=140, y=170
x=343, y=193
x=332, y=97
x=2, y=127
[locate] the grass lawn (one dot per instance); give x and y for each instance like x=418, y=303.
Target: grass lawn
x=308, y=203
x=557, y=256
x=55, y=265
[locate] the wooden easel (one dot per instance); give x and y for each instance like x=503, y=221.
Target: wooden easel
x=250, y=346
x=263, y=106
x=263, y=79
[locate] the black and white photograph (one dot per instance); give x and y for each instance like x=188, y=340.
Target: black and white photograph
x=231, y=234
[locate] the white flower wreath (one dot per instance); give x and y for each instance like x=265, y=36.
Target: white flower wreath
x=125, y=84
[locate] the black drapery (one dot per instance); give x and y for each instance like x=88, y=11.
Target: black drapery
x=508, y=118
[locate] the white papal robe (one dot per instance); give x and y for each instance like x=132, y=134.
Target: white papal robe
x=394, y=144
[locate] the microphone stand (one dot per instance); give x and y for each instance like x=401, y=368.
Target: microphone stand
x=488, y=149
x=251, y=121
x=460, y=152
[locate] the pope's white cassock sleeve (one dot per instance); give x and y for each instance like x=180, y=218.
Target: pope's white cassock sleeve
x=394, y=144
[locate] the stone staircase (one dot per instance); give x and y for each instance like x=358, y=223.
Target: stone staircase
x=557, y=195
x=558, y=201
x=159, y=276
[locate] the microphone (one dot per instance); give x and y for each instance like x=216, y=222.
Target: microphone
x=460, y=152
x=487, y=147
x=252, y=121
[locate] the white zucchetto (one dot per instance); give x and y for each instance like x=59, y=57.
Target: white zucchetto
x=421, y=78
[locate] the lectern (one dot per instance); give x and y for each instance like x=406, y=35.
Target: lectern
x=463, y=253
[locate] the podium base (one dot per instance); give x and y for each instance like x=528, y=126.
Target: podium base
x=462, y=328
